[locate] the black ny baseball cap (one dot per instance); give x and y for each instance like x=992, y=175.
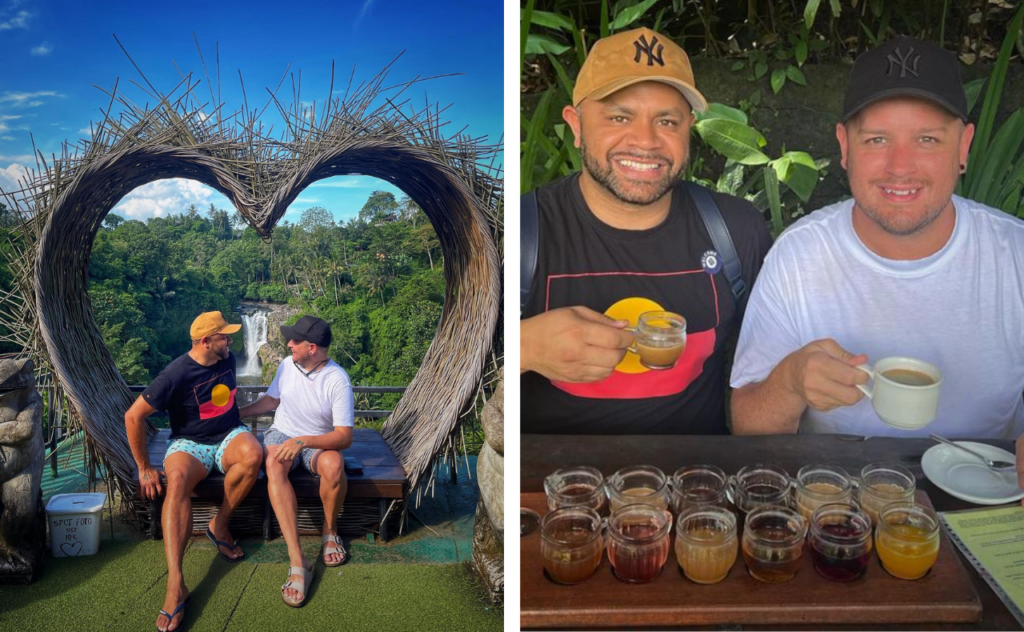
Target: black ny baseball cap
x=906, y=67
x=309, y=328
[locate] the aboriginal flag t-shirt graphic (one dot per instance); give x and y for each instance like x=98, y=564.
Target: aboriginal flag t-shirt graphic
x=623, y=273
x=200, y=400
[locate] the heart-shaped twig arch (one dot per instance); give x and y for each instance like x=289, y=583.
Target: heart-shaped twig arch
x=65, y=202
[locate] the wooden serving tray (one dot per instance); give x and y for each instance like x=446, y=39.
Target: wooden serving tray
x=946, y=594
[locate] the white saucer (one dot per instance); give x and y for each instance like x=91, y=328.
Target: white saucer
x=966, y=477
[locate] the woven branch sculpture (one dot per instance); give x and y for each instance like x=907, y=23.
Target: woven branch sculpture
x=64, y=202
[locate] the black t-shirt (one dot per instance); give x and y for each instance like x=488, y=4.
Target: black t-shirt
x=200, y=400
x=583, y=261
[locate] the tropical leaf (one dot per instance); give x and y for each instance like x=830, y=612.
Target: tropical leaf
x=631, y=14
x=810, y=12
x=722, y=111
x=550, y=20
x=778, y=79
x=795, y=75
x=537, y=44
x=733, y=140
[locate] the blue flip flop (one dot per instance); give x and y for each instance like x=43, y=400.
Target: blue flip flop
x=182, y=607
x=218, y=543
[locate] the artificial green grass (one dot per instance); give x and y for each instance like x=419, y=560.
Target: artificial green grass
x=122, y=588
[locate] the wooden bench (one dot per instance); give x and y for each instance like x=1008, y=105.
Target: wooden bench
x=371, y=493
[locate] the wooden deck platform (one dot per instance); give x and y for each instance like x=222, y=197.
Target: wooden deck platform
x=376, y=480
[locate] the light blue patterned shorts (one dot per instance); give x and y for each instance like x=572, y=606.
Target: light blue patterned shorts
x=276, y=437
x=207, y=453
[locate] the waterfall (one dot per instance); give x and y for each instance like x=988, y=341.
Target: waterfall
x=254, y=328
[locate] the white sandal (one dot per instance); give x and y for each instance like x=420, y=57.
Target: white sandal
x=338, y=549
x=307, y=577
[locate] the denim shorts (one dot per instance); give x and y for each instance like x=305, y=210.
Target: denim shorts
x=305, y=455
x=208, y=454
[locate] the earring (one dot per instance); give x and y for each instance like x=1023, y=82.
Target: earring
x=963, y=168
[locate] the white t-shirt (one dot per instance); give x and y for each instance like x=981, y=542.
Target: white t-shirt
x=311, y=406
x=962, y=309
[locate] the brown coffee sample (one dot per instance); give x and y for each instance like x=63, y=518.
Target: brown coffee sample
x=909, y=377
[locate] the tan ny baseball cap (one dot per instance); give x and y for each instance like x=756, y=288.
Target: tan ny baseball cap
x=630, y=57
x=210, y=323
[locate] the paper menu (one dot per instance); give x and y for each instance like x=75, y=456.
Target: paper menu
x=993, y=540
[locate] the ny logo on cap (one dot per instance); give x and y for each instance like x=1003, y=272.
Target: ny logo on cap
x=653, y=50
x=905, y=62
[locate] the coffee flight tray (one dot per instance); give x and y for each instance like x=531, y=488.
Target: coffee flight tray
x=946, y=594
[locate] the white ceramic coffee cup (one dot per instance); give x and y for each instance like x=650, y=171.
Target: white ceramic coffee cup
x=903, y=405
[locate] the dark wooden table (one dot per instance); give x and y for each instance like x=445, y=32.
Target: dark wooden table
x=542, y=454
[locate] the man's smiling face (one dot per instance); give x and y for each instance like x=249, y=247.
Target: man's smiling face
x=635, y=143
x=903, y=157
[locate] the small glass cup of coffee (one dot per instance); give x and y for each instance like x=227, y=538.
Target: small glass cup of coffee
x=706, y=543
x=694, y=485
x=818, y=485
x=882, y=484
x=840, y=541
x=659, y=338
x=905, y=392
x=773, y=542
x=575, y=486
x=760, y=484
x=572, y=544
x=644, y=484
x=638, y=542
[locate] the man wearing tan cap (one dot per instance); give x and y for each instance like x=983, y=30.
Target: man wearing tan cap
x=624, y=237
x=197, y=390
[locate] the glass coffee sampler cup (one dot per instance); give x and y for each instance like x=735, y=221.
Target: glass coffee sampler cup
x=694, y=485
x=576, y=486
x=760, y=484
x=659, y=338
x=882, y=484
x=839, y=541
x=638, y=542
x=644, y=484
x=571, y=544
x=907, y=539
x=706, y=543
x=818, y=485
x=773, y=542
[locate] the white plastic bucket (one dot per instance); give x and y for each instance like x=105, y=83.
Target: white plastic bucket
x=75, y=523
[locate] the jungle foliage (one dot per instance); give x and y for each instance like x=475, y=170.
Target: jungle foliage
x=377, y=279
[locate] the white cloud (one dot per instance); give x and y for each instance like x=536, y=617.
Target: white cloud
x=9, y=177
x=167, y=197
x=6, y=138
x=18, y=158
x=85, y=130
x=19, y=21
x=10, y=117
x=362, y=13
x=27, y=99
x=303, y=200
x=42, y=49
x=351, y=183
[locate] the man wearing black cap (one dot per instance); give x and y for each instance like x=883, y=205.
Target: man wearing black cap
x=905, y=268
x=313, y=399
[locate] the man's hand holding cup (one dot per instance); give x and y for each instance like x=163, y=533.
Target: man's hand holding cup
x=572, y=344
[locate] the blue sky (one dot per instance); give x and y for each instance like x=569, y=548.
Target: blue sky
x=52, y=54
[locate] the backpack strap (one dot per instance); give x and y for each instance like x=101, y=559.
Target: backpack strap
x=529, y=244
x=720, y=237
